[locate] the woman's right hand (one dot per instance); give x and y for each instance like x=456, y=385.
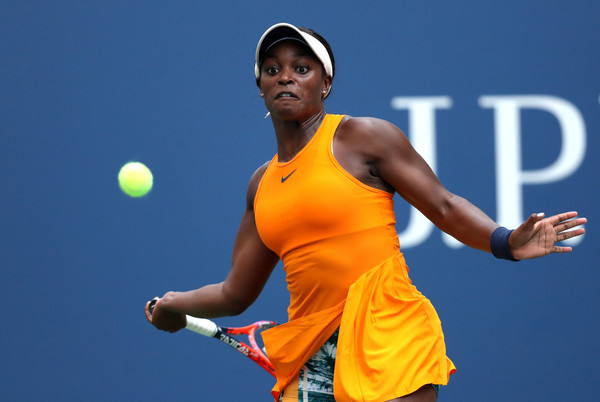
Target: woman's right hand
x=163, y=319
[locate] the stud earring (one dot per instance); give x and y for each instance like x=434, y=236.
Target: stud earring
x=262, y=95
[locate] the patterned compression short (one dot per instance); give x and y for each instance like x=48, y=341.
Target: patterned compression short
x=315, y=382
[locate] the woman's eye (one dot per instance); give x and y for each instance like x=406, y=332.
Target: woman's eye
x=272, y=70
x=302, y=69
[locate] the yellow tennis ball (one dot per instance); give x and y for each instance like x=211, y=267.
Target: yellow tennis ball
x=135, y=179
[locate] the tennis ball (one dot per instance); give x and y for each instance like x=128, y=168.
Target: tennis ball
x=135, y=179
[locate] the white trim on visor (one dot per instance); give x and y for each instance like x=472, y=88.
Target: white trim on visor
x=315, y=45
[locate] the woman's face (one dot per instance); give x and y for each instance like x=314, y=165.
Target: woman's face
x=292, y=81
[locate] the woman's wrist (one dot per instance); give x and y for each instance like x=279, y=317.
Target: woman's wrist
x=499, y=244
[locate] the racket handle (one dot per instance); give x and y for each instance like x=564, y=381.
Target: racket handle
x=201, y=326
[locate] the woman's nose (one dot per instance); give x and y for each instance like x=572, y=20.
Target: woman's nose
x=286, y=76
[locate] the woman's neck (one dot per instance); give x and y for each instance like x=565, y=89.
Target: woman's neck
x=292, y=136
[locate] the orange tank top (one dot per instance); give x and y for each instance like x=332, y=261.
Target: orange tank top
x=337, y=239
x=327, y=227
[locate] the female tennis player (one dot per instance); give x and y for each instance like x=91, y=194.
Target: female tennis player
x=358, y=329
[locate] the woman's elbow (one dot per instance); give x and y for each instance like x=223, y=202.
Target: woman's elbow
x=236, y=307
x=235, y=304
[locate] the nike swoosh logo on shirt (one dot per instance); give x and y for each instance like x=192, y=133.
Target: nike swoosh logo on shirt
x=283, y=179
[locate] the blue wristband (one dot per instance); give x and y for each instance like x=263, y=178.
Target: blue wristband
x=499, y=244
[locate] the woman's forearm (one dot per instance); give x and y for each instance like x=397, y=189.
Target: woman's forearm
x=207, y=301
x=465, y=222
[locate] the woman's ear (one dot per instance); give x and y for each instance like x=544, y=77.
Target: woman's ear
x=258, y=85
x=326, y=87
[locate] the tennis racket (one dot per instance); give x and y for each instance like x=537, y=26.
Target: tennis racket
x=253, y=351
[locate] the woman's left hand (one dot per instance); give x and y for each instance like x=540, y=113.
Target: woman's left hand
x=537, y=236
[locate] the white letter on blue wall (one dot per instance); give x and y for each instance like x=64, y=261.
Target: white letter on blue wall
x=510, y=177
x=421, y=131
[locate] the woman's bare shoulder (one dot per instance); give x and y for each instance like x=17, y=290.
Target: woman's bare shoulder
x=370, y=132
x=254, y=183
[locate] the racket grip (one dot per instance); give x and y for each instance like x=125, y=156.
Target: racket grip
x=201, y=326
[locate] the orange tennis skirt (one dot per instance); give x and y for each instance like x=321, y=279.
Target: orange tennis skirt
x=390, y=341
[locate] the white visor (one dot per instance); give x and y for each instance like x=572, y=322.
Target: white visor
x=287, y=31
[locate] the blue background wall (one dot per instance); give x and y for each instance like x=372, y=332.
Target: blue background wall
x=88, y=86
